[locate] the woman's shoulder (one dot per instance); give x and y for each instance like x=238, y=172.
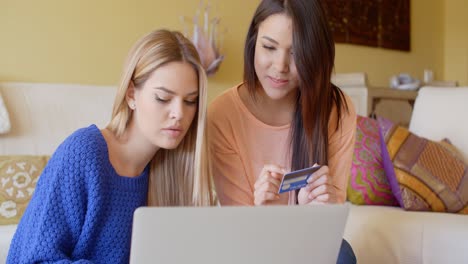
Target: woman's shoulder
x=84, y=138
x=349, y=110
x=347, y=115
x=82, y=145
x=75, y=157
x=224, y=105
x=227, y=96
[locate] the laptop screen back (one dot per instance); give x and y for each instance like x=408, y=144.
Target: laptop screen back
x=268, y=234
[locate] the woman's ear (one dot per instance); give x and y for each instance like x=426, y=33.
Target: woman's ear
x=130, y=96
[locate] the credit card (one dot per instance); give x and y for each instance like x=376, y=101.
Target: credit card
x=296, y=179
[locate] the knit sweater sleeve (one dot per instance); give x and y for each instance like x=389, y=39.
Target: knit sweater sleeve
x=51, y=225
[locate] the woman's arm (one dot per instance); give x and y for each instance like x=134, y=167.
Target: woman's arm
x=340, y=150
x=328, y=184
x=230, y=177
x=53, y=219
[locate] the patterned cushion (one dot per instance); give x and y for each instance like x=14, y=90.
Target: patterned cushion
x=18, y=177
x=429, y=176
x=368, y=182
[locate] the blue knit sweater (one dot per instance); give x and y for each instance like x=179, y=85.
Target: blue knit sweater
x=81, y=210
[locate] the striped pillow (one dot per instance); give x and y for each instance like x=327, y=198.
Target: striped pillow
x=368, y=183
x=429, y=176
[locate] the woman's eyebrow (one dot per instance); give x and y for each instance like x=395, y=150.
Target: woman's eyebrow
x=270, y=39
x=164, y=90
x=172, y=92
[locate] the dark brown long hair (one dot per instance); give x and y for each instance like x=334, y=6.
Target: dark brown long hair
x=314, y=56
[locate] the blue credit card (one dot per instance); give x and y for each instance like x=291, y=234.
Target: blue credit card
x=296, y=179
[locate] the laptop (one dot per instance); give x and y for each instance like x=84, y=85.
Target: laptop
x=267, y=234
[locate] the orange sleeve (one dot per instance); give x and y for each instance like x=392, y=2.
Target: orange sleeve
x=229, y=175
x=341, y=146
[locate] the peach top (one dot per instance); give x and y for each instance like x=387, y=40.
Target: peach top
x=241, y=145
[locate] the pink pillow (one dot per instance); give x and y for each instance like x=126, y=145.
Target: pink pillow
x=368, y=182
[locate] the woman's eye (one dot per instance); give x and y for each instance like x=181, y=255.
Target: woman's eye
x=268, y=47
x=191, y=102
x=161, y=100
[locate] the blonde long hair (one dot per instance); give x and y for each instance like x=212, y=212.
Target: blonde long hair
x=180, y=176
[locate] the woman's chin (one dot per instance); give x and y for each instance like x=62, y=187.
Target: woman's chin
x=169, y=144
x=275, y=94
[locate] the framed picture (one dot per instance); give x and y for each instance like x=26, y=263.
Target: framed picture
x=376, y=23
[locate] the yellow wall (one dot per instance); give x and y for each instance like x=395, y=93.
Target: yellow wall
x=86, y=41
x=456, y=41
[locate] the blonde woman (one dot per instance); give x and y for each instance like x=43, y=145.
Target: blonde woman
x=152, y=152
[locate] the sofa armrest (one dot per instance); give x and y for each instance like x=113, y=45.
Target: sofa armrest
x=440, y=112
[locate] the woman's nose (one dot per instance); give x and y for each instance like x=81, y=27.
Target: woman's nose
x=177, y=110
x=281, y=62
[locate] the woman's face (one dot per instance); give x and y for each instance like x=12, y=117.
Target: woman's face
x=165, y=106
x=274, y=61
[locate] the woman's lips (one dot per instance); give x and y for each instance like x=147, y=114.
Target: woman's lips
x=173, y=132
x=278, y=82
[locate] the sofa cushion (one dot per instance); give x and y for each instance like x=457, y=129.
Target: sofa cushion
x=428, y=175
x=389, y=235
x=40, y=122
x=6, y=235
x=368, y=183
x=18, y=178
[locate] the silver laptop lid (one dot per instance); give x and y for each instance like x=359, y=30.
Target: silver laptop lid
x=268, y=234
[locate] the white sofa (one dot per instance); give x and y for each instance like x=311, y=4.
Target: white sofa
x=42, y=115
x=391, y=235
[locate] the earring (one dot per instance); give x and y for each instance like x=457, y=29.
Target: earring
x=132, y=106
